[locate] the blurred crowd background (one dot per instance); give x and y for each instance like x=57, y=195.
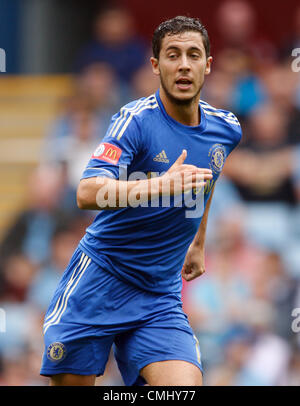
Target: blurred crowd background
x=241, y=308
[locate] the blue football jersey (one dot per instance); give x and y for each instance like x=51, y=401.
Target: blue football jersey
x=146, y=245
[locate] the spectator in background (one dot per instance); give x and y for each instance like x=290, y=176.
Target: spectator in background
x=273, y=293
x=280, y=84
x=241, y=56
x=253, y=355
x=293, y=39
x=44, y=283
x=32, y=231
x=243, y=322
x=74, y=150
x=20, y=346
x=292, y=377
x=143, y=82
x=115, y=43
x=236, y=21
x=247, y=91
x=237, y=344
x=14, y=371
x=262, y=168
x=242, y=306
x=292, y=78
x=85, y=117
x=96, y=94
x=18, y=274
x=220, y=299
x=269, y=356
x=296, y=316
x=99, y=85
x=218, y=89
x=22, y=320
x=230, y=234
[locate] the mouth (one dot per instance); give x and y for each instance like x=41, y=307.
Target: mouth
x=183, y=83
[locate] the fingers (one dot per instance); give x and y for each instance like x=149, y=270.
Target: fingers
x=195, y=177
x=191, y=272
x=186, y=171
x=193, y=168
x=179, y=165
x=197, y=183
x=179, y=161
x=178, y=182
x=184, y=177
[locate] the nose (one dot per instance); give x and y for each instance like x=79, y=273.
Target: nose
x=184, y=63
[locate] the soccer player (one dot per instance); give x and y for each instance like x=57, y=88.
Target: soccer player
x=122, y=287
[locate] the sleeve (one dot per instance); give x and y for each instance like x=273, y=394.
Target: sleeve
x=237, y=136
x=117, y=149
x=235, y=130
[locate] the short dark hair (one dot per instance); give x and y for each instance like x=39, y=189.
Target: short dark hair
x=178, y=25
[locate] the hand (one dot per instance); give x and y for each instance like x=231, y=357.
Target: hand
x=183, y=178
x=194, y=264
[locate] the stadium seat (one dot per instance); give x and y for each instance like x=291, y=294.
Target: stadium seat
x=28, y=104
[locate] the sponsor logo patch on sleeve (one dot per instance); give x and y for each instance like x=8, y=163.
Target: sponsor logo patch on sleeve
x=107, y=152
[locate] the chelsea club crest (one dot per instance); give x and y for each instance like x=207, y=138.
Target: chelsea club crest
x=56, y=352
x=217, y=157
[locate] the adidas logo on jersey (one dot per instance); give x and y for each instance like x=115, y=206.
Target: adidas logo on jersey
x=161, y=157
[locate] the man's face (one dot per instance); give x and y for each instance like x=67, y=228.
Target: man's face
x=182, y=65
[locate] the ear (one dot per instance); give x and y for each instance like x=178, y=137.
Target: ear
x=155, y=66
x=208, y=65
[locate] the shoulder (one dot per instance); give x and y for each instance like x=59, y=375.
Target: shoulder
x=138, y=109
x=131, y=116
x=223, y=118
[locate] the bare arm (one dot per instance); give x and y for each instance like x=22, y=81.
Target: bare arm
x=194, y=264
x=105, y=193
x=199, y=239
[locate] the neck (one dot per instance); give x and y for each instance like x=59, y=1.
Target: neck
x=187, y=114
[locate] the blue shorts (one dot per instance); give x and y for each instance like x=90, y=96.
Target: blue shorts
x=92, y=310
